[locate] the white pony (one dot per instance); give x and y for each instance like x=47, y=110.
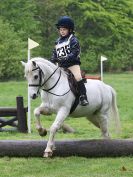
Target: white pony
x=51, y=81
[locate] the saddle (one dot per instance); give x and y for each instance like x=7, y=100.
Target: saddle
x=74, y=87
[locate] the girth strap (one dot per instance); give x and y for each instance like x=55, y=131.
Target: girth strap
x=75, y=104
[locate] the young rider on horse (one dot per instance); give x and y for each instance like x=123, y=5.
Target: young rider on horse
x=67, y=53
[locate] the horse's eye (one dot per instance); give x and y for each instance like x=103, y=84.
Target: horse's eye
x=36, y=77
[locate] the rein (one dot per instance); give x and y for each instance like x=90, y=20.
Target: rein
x=41, y=85
x=46, y=90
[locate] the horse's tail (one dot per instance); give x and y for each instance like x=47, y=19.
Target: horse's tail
x=115, y=112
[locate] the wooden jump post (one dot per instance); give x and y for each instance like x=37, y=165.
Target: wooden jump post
x=84, y=76
x=18, y=113
x=92, y=77
x=83, y=148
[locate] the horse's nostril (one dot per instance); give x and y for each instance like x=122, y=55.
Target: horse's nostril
x=34, y=96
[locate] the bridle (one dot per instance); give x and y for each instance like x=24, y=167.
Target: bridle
x=40, y=78
x=40, y=84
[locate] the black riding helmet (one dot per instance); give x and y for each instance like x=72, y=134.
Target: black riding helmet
x=65, y=22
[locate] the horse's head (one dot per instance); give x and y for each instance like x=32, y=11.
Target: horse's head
x=40, y=74
x=33, y=74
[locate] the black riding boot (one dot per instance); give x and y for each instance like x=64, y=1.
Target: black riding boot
x=82, y=91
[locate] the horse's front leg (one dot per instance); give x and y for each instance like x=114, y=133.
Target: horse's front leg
x=61, y=115
x=40, y=110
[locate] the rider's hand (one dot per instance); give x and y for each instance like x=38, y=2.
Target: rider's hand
x=61, y=60
x=54, y=60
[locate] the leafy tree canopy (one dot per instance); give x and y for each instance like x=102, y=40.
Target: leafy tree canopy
x=103, y=27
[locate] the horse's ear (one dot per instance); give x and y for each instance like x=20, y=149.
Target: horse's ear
x=34, y=63
x=23, y=63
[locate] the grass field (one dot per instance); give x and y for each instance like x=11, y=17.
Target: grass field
x=72, y=166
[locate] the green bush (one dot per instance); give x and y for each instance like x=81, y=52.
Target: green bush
x=12, y=50
x=102, y=27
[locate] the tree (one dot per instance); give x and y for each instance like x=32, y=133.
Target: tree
x=22, y=16
x=104, y=27
x=12, y=51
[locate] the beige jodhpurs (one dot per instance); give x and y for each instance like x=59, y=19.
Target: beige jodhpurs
x=75, y=69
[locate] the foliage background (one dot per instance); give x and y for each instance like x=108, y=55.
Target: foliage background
x=102, y=27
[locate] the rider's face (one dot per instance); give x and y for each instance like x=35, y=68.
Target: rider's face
x=63, y=31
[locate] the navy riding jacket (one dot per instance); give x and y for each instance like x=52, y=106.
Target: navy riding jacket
x=72, y=49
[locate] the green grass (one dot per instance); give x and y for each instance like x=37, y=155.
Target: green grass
x=72, y=166
x=66, y=167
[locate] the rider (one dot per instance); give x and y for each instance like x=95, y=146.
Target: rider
x=67, y=53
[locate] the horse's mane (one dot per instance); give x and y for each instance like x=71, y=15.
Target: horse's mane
x=44, y=60
x=40, y=60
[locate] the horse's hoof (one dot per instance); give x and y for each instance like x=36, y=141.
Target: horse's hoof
x=47, y=154
x=43, y=132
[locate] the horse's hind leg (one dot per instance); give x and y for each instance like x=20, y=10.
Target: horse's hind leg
x=103, y=122
x=100, y=121
x=40, y=110
x=67, y=129
x=94, y=120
